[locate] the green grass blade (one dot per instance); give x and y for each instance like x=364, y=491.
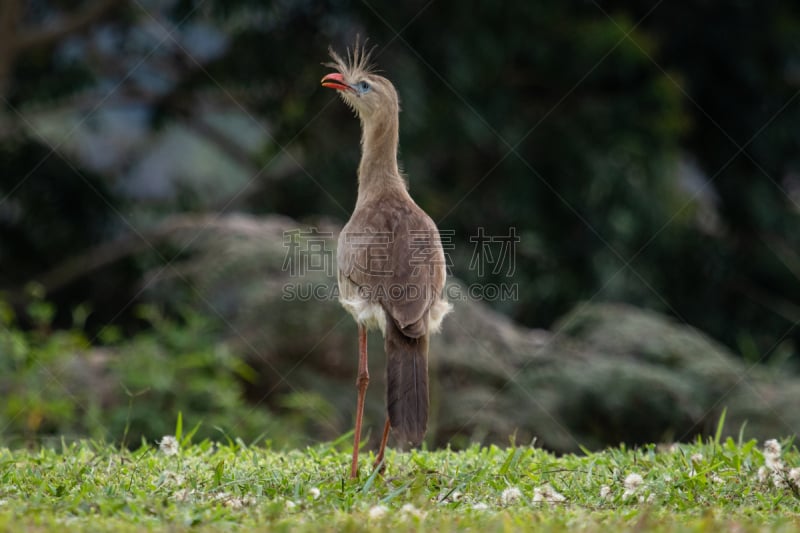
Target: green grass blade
x=179, y=427
x=720, y=426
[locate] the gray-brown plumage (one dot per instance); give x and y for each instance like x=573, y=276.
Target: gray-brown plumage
x=390, y=258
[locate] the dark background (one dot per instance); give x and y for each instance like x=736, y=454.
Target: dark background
x=645, y=152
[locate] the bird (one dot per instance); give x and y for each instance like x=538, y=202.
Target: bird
x=391, y=268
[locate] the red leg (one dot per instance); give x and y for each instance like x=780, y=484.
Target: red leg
x=382, y=449
x=361, y=382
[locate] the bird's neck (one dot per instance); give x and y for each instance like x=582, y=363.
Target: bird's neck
x=378, y=172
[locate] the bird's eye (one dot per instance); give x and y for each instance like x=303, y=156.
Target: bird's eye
x=364, y=87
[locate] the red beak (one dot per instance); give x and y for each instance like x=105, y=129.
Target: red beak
x=334, y=80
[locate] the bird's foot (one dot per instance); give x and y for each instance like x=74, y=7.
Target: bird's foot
x=379, y=465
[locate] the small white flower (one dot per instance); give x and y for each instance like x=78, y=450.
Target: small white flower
x=779, y=480
x=314, y=492
x=377, y=512
x=480, y=506
x=772, y=447
x=648, y=499
x=633, y=481
x=169, y=445
x=290, y=505
x=409, y=510
x=697, y=458
x=773, y=462
x=714, y=478
x=763, y=474
x=605, y=492
x=510, y=495
x=667, y=478
x=547, y=494
x=794, y=476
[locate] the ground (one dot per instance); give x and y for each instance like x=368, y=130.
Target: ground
x=175, y=486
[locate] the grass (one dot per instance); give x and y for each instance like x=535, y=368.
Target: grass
x=209, y=486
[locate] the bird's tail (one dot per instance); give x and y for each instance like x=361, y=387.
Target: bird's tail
x=406, y=383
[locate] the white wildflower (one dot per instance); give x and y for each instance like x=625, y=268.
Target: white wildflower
x=772, y=455
x=547, y=494
x=763, y=474
x=169, y=445
x=772, y=448
x=290, y=505
x=605, y=492
x=510, y=495
x=408, y=510
x=714, y=478
x=632, y=483
x=794, y=476
x=779, y=480
x=667, y=478
x=314, y=492
x=651, y=497
x=377, y=512
x=774, y=467
x=480, y=506
x=697, y=458
x=773, y=463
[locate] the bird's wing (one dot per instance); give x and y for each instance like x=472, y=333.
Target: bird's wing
x=392, y=251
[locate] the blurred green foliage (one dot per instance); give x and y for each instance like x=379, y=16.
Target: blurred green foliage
x=123, y=390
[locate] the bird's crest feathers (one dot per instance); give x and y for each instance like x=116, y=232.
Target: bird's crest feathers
x=357, y=60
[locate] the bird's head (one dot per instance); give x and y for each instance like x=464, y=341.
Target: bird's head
x=369, y=94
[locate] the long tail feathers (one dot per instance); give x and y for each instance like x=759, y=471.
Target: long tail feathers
x=406, y=383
